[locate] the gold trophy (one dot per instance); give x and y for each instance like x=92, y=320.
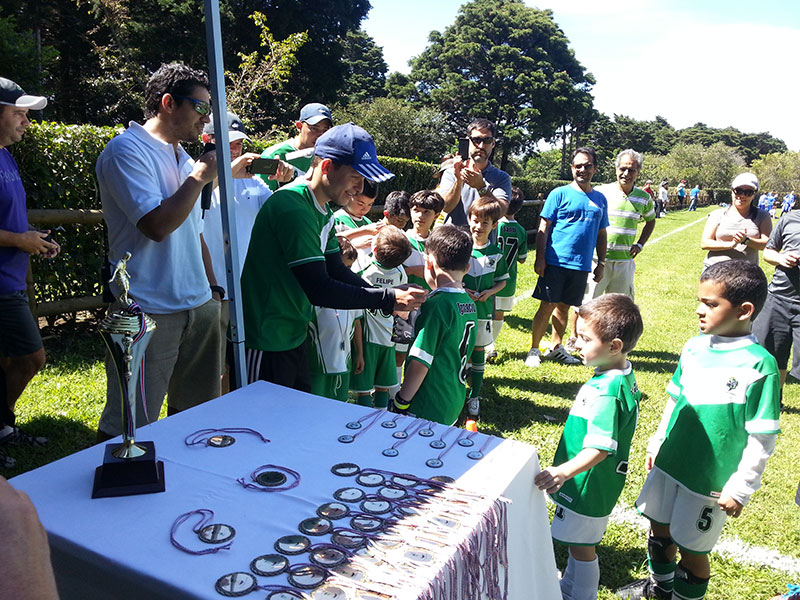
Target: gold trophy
x=130, y=468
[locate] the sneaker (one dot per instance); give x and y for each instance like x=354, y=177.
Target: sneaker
x=643, y=588
x=19, y=438
x=534, y=358
x=570, y=346
x=473, y=406
x=491, y=356
x=6, y=462
x=558, y=354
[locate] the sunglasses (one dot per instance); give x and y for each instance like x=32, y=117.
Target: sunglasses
x=583, y=166
x=743, y=191
x=202, y=107
x=477, y=141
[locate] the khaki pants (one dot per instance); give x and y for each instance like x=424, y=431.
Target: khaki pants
x=182, y=360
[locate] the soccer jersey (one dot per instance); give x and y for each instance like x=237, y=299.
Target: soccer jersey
x=291, y=229
x=624, y=214
x=344, y=221
x=417, y=259
x=513, y=242
x=377, y=325
x=603, y=416
x=786, y=238
x=724, y=390
x=486, y=268
x=329, y=335
x=280, y=150
x=445, y=337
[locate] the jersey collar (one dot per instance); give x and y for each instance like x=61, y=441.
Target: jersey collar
x=721, y=342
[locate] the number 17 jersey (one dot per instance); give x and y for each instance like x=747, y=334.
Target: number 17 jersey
x=445, y=337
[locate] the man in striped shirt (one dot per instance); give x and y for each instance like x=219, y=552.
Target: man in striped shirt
x=627, y=205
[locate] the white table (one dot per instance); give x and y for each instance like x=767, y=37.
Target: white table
x=119, y=547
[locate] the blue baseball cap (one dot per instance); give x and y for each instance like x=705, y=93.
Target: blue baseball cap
x=349, y=144
x=314, y=113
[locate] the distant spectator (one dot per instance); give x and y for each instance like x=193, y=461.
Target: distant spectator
x=663, y=199
x=788, y=203
x=466, y=181
x=695, y=196
x=315, y=119
x=681, y=192
x=740, y=230
x=21, y=349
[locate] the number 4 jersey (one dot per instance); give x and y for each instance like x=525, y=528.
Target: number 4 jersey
x=445, y=337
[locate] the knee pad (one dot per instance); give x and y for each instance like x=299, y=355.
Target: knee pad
x=686, y=575
x=657, y=548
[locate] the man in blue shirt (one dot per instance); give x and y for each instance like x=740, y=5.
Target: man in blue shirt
x=572, y=225
x=466, y=181
x=21, y=350
x=694, y=195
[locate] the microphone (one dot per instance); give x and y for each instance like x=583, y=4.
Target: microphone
x=208, y=189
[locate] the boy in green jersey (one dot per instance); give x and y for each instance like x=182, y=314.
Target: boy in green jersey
x=445, y=331
x=719, y=427
x=331, y=334
x=487, y=275
x=513, y=241
x=352, y=223
x=591, y=460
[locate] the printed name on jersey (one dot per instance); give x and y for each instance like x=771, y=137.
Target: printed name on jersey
x=565, y=497
x=466, y=308
x=382, y=281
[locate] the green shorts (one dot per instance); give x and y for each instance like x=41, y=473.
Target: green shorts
x=330, y=386
x=380, y=369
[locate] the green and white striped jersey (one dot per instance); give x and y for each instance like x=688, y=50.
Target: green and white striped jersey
x=624, y=214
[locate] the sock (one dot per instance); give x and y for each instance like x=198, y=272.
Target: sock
x=393, y=391
x=586, y=579
x=662, y=572
x=567, y=579
x=476, y=378
x=6, y=430
x=688, y=586
x=364, y=400
x=489, y=348
x=497, y=325
x=381, y=398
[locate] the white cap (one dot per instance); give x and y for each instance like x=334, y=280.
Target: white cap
x=745, y=179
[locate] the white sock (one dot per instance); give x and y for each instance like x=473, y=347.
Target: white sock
x=489, y=348
x=586, y=580
x=567, y=579
x=7, y=430
x=497, y=325
x=393, y=391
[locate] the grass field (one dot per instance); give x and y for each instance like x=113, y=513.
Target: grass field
x=65, y=400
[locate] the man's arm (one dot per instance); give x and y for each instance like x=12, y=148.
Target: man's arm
x=450, y=187
x=542, y=235
x=209, y=268
x=600, y=248
x=647, y=231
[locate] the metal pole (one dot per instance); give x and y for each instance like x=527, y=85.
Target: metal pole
x=229, y=234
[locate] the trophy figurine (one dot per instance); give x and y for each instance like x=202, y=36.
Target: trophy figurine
x=130, y=468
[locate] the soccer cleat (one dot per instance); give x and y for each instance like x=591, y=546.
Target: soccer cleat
x=534, y=358
x=491, y=355
x=643, y=588
x=473, y=406
x=19, y=438
x=6, y=462
x=558, y=354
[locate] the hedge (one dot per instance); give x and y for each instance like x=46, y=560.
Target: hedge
x=57, y=163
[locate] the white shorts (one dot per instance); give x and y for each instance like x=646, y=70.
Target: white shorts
x=506, y=304
x=484, y=337
x=617, y=279
x=695, y=521
x=573, y=529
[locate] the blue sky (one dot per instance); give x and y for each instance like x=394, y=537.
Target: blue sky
x=720, y=63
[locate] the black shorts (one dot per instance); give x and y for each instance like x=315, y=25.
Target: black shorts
x=19, y=331
x=288, y=368
x=777, y=328
x=558, y=284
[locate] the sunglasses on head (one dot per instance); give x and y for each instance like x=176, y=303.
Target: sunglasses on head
x=201, y=106
x=743, y=191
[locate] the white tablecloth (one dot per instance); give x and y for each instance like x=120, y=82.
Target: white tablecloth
x=119, y=548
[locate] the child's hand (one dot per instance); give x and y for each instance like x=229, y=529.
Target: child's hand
x=472, y=294
x=482, y=296
x=730, y=506
x=358, y=363
x=550, y=480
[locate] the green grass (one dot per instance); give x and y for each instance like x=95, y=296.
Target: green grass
x=65, y=400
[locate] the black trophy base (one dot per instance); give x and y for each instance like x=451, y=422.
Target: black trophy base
x=129, y=476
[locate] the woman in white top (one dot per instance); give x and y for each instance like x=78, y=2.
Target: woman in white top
x=739, y=230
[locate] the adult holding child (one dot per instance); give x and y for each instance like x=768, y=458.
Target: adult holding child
x=740, y=230
x=294, y=260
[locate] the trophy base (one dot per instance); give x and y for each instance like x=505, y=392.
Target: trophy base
x=129, y=476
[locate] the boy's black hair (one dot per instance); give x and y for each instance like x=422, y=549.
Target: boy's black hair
x=175, y=79
x=517, y=198
x=370, y=189
x=741, y=282
x=451, y=246
x=349, y=251
x=487, y=207
x=587, y=150
x=429, y=199
x=614, y=316
x=396, y=203
x=392, y=247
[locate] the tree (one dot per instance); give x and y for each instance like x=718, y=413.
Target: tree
x=21, y=59
x=400, y=129
x=712, y=167
x=778, y=171
x=366, y=69
x=509, y=63
x=544, y=165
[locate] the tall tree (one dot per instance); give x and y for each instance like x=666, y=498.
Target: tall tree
x=509, y=63
x=366, y=69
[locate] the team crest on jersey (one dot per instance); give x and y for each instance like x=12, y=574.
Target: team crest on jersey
x=732, y=384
